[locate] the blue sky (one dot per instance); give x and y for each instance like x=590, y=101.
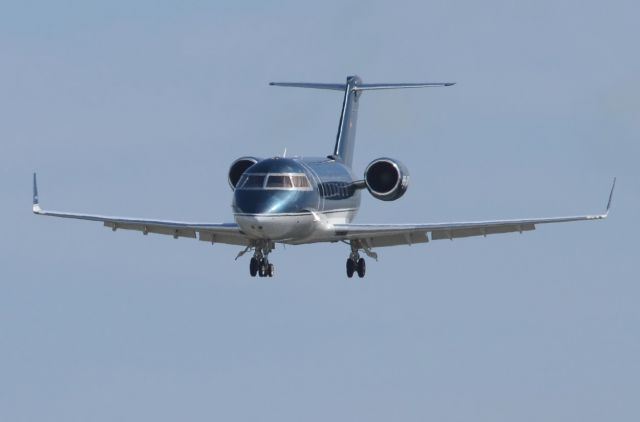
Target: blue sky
x=138, y=109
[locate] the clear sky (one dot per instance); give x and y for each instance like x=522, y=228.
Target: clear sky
x=138, y=108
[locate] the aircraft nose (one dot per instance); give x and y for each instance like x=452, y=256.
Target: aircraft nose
x=272, y=214
x=265, y=201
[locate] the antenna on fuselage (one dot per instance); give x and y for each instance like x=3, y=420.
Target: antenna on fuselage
x=284, y=154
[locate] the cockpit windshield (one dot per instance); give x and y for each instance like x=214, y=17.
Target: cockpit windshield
x=286, y=181
x=300, y=181
x=252, y=181
x=279, y=181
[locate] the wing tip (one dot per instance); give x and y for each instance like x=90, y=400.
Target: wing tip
x=36, y=201
x=613, y=186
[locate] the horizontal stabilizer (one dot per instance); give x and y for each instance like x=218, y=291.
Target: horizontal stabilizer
x=334, y=87
x=367, y=87
x=360, y=87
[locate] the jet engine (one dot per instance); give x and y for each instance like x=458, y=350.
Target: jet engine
x=386, y=179
x=238, y=168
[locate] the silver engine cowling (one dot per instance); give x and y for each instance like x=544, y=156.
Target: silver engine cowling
x=238, y=168
x=386, y=179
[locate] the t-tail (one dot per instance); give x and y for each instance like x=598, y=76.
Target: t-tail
x=353, y=88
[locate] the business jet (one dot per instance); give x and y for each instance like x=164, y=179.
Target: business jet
x=294, y=200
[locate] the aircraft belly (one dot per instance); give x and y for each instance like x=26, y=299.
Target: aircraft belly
x=323, y=226
x=294, y=227
x=276, y=227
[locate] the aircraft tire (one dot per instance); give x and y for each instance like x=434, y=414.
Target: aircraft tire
x=361, y=267
x=351, y=267
x=253, y=267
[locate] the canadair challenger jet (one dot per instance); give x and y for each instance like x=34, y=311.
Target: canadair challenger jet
x=309, y=200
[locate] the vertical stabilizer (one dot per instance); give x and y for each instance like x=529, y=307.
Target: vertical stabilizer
x=346, y=137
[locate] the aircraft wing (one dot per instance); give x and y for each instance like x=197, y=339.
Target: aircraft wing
x=228, y=233
x=377, y=235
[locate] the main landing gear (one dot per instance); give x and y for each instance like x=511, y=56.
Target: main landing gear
x=259, y=264
x=261, y=267
x=356, y=264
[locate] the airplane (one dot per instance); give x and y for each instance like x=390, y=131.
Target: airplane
x=297, y=200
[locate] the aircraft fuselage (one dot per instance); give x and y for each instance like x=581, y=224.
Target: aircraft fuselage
x=289, y=199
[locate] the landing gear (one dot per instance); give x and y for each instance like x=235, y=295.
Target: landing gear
x=351, y=266
x=361, y=267
x=253, y=267
x=356, y=264
x=259, y=264
x=264, y=268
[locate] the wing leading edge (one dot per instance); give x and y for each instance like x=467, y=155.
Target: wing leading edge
x=228, y=233
x=377, y=235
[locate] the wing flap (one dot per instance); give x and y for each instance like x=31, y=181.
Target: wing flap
x=152, y=228
x=226, y=238
x=454, y=233
x=408, y=238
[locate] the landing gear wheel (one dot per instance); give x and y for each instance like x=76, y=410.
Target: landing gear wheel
x=351, y=267
x=362, y=267
x=270, y=270
x=253, y=267
x=262, y=269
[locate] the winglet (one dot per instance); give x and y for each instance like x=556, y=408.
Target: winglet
x=36, y=203
x=613, y=186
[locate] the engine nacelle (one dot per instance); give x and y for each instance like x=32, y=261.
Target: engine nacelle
x=238, y=168
x=386, y=179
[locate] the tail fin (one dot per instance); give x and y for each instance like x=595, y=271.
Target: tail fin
x=345, y=139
